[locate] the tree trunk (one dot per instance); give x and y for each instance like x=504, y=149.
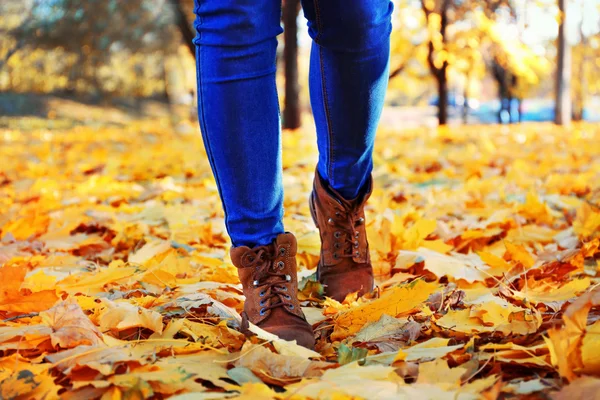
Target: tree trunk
x=563, y=72
x=443, y=71
x=442, y=81
x=291, y=109
x=439, y=73
x=187, y=33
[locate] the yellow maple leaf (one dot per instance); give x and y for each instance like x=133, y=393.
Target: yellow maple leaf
x=396, y=301
x=30, y=225
x=519, y=253
x=587, y=222
x=566, y=342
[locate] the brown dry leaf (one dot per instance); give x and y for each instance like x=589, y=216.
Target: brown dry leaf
x=276, y=368
x=214, y=335
x=70, y=326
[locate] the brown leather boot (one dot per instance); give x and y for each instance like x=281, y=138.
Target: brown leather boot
x=345, y=264
x=270, y=283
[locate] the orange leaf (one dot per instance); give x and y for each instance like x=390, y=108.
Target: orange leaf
x=14, y=300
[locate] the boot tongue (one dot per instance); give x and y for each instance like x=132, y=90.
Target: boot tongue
x=287, y=240
x=237, y=255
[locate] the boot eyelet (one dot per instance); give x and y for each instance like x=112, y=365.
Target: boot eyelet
x=357, y=254
x=337, y=213
x=337, y=234
x=262, y=293
x=262, y=311
x=356, y=244
x=356, y=235
x=360, y=221
x=287, y=297
x=255, y=283
x=335, y=255
x=330, y=221
x=281, y=251
x=336, y=245
x=283, y=289
x=288, y=278
x=280, y=264
x=290, y=306
x=261, y=303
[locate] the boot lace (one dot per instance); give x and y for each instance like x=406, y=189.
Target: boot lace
x=346, y=236
x=269, y=276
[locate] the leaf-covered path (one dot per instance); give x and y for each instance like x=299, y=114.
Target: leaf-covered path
x=115, y=280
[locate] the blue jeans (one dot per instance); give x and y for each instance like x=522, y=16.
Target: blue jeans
x=238, y=107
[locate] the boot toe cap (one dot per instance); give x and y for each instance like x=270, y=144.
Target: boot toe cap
x=303, y=337
x=291, y=328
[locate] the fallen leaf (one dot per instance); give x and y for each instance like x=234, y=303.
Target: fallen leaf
x=118, y=316
x=401, y=300
x=277, y=368
x=70, y=326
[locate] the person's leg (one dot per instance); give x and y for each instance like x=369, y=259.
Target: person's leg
x=239, y=112
x=239, y=119
x=348, y=79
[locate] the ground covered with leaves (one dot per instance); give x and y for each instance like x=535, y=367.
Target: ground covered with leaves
x=116, y=282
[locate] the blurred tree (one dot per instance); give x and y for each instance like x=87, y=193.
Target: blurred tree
x=92, y=33
x=585, y=77
x=462, y=38
x=410, y=81
x=516, y=68
x=183, y=12
x=563, y=71
x=437, y=19
x=457, y=30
